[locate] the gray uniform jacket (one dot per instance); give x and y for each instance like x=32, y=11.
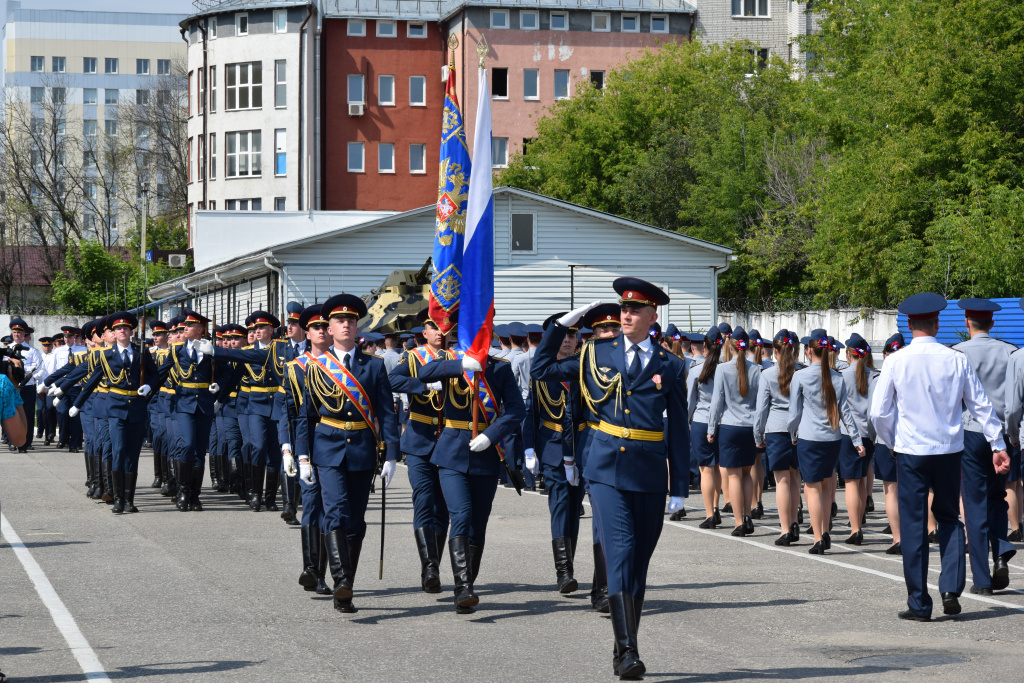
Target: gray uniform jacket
x=698, y=396
x=521, y=370
x=771, y=413
x=860, y=406
x=727, y=406
x=807, y=417
x=1013, y=401
x=990, y=358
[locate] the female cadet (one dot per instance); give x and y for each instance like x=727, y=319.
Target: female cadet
x=771, y=430
x=731, y=419
x=860, y=377
x=757, y=474
x=817, y=404
x=699, y=385
x=885, y=466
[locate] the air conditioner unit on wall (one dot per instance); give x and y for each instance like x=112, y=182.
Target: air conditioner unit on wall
x=176, y=260
x=355, y=109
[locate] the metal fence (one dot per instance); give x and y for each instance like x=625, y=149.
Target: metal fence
x=807, y=302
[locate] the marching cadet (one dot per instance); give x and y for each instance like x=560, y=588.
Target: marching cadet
x=918, y=408
x=1014, y=413
x=699, y=386
x=885, y=466
x=860, y=378
x=314, y=551
x=130, y=375
x=31, y=360
x=553, y=418
x=157, y=420
x=46, y=422
x=167, y=408
x=295, y=346
x=501, y=332
x=983, y=489
x=351, y=396
x=71, y=428
x=228, y=416
x=426, y=422
x=521, y=363
x=629, y=385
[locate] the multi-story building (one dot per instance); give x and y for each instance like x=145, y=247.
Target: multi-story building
x=70, y=72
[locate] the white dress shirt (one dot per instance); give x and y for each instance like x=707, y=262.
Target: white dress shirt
x=189, y=344
x=32, y=359
x=121, y=349
x=646, y=351
x=917, y=408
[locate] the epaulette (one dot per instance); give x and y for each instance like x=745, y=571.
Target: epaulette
x=1020, y=349
x=177, y=343
x=499, y=360
x=250, y=346
x=1006, y=342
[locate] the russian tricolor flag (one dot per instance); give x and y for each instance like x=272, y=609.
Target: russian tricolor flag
x=476, y=308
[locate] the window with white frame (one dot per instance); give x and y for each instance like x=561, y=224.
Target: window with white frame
x=659, y=23
x=280, y=21
x=499, y=18
x=88, y=95
x=417, y=158
x=559, y=21
x=280, y=152
x=201, y=158
x=597, y=79
x=89, y=128
x=355, y=89
x=750, y=8
x=499, y=83
x=561, y=84
x=499, y=152
x=88, y=65
x=600, y=22
x=531, y=84
x=356, y=152
x=523, y=233
x=529, y=20
x=416, y=29
x=242, y=24
x=141, y=67
x=243, y=154
x=418, y=91
x=244, y=85
x=630, y=23
x=279, y=203
x=255, y=204
x=211, y=25
x=142, y=97
x=280, y=84
x=110, y=96
x=386, y=90
x=163, y=67
x=110, y=127
x=387, y=29
x=58, y=95
x=59, y=64
x=38, y=64
x=110, y=65
x=213, y=156
x=356, y=27
x=386, y=157
x=213, y=89
x=37, y=94
x=201, y=94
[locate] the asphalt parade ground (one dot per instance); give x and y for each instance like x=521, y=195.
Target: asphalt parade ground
x=213, y=596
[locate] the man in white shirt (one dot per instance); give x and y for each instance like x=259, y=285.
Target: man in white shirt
x=917, y=410
x=32, y=360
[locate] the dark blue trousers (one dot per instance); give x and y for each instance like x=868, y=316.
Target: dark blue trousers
x=232, y=437
x=86, y=423
x=345, y=495
x=985, y=508
x=125, y=443
x=262, y=433
x=428, y=506
x=312, y=504
x=469, y=498
x=563, y=503
x=102, y=427
x=193, y=433
x=28, y=399
x=941, y=473
x=630, y=524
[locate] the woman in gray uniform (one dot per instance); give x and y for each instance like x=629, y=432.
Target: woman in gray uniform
x=699, y=384
x=860, y=377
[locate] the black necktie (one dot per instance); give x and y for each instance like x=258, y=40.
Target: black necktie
x=637, y=366
x=347, y=362
x=127, y=360
x=195, y=357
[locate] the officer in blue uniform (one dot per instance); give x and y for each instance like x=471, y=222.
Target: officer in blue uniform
x=227, y=416
x=294, y=346
x=351, y=395
x=71, y=427
x=131, y=376
x=424, y=426
x=158, y=440
x=467, y=466
x=629, y=384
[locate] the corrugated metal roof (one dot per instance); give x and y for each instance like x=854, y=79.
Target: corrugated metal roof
x=1009, y=323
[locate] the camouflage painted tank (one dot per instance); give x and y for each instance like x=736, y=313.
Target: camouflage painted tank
x=393, y=306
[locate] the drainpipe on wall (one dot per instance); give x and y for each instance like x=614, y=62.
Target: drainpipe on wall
x=719, y=271
x=302, y=69
x=206, y=137
x=280, y=283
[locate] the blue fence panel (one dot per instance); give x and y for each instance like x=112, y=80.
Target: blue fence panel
x=1009, y=323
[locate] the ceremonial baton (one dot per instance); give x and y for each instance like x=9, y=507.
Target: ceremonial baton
x=383, y=513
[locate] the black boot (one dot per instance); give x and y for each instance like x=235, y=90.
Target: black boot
x=118, y=492
x=236, y=481
x=214, y=471
x=130, y=479
x=430, y=575
x=169, y=481
x=256, y=474
x=158, y=478
x=626, y=662
x=341, y=564
x=88, y=475
x=194, y=489
x=562, y=548
x=273, y=482
x=108, y=482
x=321, y=563
x=225, y=473
x=96, y=490
x=460, y=554
x=289, y=498
x=246, y=492
x=310, y=549
x=599, y=589
x=355, y=548
x=184, y=482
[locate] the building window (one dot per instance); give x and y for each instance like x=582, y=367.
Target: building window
x=280, y=21
x=559, y=21
x=531, y=84
x=418, y=91
x=212, y=25
x=89, y=159
x=750, y=8
x=255, y=204
x=88, y=65
x=201, y=158
x=761, y=55
x=280, y=152
x=89, y=128
x=163, y=66
x=386, y=157
x=58, y=65
x=356, y=27
x=387, y=29
x=243, y=154
x=58, y=95
x=110, y=65
x=499, y=83
x=561, y=84
x=597, y=79
x=110, y=96
x=280, y=84
x=61, y=126
x=213, y=205
x=142, y=67
x=499, y=152
x=417, y=158
x=213, y=156
x=529, y=20
x=279, y=203
x=355, y=157
x=355, y=89
x=110, y=127
x=37, y=94
x=600, y=21
x=213, y=89
x=416, y=29
x=523, y=233
x=242, y=24
x=38, y=64
x=244, y=84
x=163, y=98
x=386, y=90
x=142, y=97
x=630, y=23
x=659, y=23
x=88, y=95
x=499, y=18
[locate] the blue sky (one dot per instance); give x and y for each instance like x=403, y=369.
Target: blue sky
x=173, y=6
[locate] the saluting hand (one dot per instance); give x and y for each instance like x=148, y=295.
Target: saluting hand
x=1001, y=462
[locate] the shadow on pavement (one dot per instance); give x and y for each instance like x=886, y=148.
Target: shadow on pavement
x=793, y=673
x=161, y=669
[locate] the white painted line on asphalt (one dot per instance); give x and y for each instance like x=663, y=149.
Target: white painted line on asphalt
x=85, y=655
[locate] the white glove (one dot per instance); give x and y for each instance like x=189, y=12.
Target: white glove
x=480, y=443
x=52, y=391
x=56, y=401
x=217, y=406
x=57, y=391
x=572, y=475
x=436, y=386
x=144, y=390
x=675, y=503
x=289, y=462
x=387, y=472
x=573, y=316
x=306, y=472
x=214, y=387
x=205, y=346
x=470, y=364
x=41, y=389
x=73, y=411
x=531, y=461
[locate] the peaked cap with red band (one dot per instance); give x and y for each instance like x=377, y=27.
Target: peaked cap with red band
x=638, y=292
